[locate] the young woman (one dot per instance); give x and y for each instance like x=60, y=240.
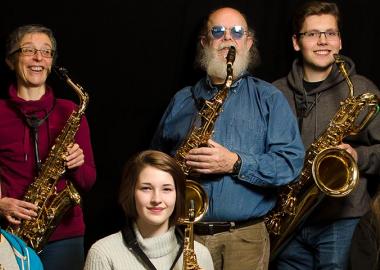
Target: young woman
x=152, y=195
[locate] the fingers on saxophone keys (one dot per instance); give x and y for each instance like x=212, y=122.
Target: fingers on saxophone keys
x=26, y=214
x=32, y=213
x=13, y=220
x=28, y=206
x=13, y=217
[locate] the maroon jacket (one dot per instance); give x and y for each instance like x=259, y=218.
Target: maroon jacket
x=17, y=157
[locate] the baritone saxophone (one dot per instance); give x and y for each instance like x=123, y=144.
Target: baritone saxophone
x=42, y=192
x=327, y=170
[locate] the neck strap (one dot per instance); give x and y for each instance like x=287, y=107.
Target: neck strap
x=131, y=242
x=34, y=122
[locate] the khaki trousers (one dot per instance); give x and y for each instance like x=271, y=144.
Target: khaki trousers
x=245, y=248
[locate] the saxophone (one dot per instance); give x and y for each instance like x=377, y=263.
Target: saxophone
x=334, y=170
x=42, y=192
x=196, y=198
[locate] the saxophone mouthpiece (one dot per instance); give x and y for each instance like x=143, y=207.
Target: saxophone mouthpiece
x=61, y=72
x=231, y=56
x=338, y=59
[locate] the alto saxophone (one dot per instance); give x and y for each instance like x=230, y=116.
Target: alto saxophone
x=196, y=198
x=42, y=192
x=334, y=170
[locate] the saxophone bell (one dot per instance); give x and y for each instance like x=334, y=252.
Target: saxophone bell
x=196, y=206
x=196, y=198
x=335, y=172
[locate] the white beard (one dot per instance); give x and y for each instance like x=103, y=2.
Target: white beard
x=216, y=66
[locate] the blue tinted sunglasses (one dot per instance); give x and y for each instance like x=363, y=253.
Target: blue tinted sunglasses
x=236, y=32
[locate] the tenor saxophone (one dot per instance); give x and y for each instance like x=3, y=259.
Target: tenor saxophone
x=196, y=198
x=42, y=192
x=334, y=171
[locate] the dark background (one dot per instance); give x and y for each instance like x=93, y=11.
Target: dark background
x=132, y=56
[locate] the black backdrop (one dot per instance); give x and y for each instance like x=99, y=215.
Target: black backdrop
x=132, y=56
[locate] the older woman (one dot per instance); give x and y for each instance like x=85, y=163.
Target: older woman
x=31, y=119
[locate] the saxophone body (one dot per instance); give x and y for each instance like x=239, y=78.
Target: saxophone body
x=327, y=169
x=42, y=192
x=196, y=198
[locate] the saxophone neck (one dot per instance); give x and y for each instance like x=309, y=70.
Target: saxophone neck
x=82, y=95
x=342, y=69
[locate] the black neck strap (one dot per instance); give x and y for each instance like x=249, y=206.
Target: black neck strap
x=132, y=244
x=34, y=122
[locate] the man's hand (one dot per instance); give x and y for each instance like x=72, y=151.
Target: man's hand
x=350, y=150
x=215, y=159
x=15, y=210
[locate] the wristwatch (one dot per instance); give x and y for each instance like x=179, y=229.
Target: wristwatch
x=237, y=166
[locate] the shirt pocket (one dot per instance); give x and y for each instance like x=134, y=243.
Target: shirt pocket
x=245, y=134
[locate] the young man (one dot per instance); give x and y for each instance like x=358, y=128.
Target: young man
x=255, y=146
x=314, y=88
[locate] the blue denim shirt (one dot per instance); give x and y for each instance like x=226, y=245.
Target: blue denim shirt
x=256, y=123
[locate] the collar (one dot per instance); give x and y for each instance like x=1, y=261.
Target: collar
x=130, y=235
x=157, y=246
x=205, y=90
x=27, y=107
x=234, y=84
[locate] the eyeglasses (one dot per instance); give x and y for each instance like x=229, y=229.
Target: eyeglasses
x=315, y=35
x=218, y=31
x=30, y=51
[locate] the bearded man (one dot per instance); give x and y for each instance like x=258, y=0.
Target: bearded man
x=255, y=147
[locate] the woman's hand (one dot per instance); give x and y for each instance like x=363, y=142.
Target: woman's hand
x=74, y=157
x=15, y=210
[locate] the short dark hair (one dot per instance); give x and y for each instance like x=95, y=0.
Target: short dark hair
x=15, y=37
x=314, y=8
x=132, y=170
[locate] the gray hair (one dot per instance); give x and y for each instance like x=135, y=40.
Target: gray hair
x=14, y=39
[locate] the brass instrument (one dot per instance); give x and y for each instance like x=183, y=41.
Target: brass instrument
x=196, y=197
x=198, y=136
x=194, y=193
x=334, y=170
x=42, y=192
